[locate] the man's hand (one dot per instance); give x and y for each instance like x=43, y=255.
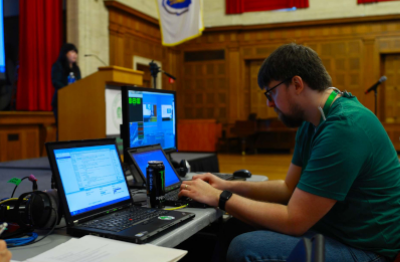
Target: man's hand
x=214, y=181
x=5, y=254
x=200, y=191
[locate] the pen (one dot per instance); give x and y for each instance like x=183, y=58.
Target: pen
x=3, y=227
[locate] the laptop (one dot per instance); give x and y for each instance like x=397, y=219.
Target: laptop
x=94, y=194
x=140, y=156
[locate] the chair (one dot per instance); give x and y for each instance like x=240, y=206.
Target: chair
x=301, y=252
x=308, y=250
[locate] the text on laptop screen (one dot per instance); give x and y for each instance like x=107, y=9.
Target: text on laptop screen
x=151, y=119
x=92, y=177
x=143, y=158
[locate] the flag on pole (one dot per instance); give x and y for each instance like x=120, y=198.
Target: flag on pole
x=180, y=20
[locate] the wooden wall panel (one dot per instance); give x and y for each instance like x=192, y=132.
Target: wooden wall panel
x=391, y=94
x=135, y=34
x=351, y=49
x=24, y=134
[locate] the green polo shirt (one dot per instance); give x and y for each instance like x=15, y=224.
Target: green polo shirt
x=350, y=158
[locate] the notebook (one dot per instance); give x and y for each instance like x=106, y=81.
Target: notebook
x=140, y=156
x=95, y=197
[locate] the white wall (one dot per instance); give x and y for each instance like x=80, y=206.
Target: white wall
x=147, y=7
x=87, y=28
x=214, y=11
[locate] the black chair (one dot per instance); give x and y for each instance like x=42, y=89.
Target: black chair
x=308, y=250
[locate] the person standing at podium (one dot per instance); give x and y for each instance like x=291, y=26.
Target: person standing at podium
x=63, y=72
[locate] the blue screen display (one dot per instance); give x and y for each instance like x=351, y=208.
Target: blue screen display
x=151, y=119
x=143, y=158
x=2, y=52
x=92, y=177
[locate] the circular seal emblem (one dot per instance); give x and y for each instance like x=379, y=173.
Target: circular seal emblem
x=116, y=112
x=176, y=7
x=166, y=218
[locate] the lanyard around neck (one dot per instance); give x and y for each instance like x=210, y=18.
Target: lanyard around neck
x=328, y=103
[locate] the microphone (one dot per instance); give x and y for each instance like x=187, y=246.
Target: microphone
x=380, y=81
x=98, y=58
x=169, y=75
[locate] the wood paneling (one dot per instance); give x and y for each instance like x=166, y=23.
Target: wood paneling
x=391, y=94
x=133, y=33
x=351, y=50
x=24, y=134
x=198, y=135
x=258, y=102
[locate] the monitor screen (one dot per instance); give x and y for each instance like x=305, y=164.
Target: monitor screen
x=2, y=50
x=92, y=177
x=142, y=159
x=149, y=118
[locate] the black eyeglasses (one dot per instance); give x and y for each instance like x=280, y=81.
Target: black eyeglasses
x=268, y=92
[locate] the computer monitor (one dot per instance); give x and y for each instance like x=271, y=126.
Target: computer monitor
x=149, y=118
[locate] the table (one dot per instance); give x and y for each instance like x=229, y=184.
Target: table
x=203, y=218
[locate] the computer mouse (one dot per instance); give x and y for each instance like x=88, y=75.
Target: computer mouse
x=242, y=173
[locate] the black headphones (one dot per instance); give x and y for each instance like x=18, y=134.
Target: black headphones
x=33, y=210
x=183, y=168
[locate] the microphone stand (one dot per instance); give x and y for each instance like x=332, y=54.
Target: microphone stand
x=154, y=70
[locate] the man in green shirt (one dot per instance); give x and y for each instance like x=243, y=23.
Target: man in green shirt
x=343, y=182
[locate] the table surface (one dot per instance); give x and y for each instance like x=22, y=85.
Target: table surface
x=203, y=218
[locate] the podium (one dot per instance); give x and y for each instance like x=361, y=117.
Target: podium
x=82, y=105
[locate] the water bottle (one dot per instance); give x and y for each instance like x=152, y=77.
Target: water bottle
x=71, y=78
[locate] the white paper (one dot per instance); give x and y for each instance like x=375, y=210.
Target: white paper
x=92, y=248
x=113, y=111
x=148, y=253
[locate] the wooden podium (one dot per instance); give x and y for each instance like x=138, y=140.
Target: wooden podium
x=82, y=105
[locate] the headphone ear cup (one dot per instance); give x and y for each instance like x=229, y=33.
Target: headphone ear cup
x=184, y=168
x=51, y=209
x=42, y=209
x=54, y=209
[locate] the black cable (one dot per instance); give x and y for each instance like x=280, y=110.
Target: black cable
x=15, y=188
x=51, y=231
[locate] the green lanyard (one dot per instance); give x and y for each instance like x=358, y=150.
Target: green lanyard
x=329, y=102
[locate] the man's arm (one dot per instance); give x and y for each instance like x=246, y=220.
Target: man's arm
x=276, y=191
x=302, y=212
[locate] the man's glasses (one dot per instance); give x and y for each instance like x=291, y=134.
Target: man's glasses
x=268, y=92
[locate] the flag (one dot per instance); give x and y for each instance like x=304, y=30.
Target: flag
x=180, y=20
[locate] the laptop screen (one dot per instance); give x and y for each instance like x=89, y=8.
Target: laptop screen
x=92, y=177
x=142, y=158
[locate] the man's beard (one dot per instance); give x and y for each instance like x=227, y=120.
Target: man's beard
x=294, y=120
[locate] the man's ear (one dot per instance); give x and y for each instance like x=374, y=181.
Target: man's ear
x=298, y=83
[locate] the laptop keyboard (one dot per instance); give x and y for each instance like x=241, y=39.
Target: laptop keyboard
x=172, y=195
x=124, y=219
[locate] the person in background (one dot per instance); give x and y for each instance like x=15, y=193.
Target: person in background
x=62, y=69
x=5, y=254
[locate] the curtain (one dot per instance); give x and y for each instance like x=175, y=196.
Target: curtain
x=40, y=38
x=241, y=6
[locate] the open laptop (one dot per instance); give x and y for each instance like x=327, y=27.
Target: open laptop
x=140, y=156
x=95, y=197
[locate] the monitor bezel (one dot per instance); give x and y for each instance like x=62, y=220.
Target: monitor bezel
x=125, y=119
x=51, y=146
